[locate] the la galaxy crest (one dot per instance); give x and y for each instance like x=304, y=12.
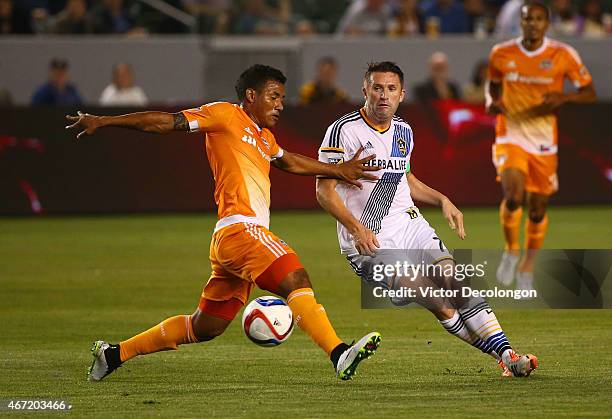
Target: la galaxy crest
x=402, y=145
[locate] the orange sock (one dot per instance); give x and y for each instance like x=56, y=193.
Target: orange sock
x=311, y=318
x=511, y=222
x=534, y=237
x=167, y=335
x=535, y=233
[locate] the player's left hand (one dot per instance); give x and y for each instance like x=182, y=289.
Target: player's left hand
x=85, y=122
x=552, y=100
x=356, y=168
x=454, y=217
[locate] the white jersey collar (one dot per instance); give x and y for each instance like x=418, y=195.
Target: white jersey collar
x=519, y=42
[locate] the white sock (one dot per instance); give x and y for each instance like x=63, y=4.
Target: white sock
x=456, y=326
x=479, y=318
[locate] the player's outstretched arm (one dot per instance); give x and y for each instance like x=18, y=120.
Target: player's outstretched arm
x=158, y=122
x=349, y=171
x=365, y=239
x=421, y=192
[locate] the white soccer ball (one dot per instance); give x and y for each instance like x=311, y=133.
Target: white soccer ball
x=267, y=321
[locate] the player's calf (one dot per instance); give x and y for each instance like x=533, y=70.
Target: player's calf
x=207, y=327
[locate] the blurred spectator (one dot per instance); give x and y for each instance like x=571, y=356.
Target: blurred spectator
x=110, y=16
x=593, y=22
x=509, y=19
x=437, y=86
x=407, y=19
x=323, y=15
x=122, y=92
x=257, y=17
x=323, y=89
x=58, y=90
x=449, y=15
x=212, y=15
x=564, y=21
x=50, y=6
x=13, y=20
x=474, y=91
x=478, y=22
x=366, y=17
x=149, y=19
x=73, y=19
x=304, y=27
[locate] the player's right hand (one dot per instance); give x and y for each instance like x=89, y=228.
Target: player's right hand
x=83, y=121
x=352, y=170
x=365, y=240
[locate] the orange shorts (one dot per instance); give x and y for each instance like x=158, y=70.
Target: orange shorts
x=540, y=171
x=242, y=255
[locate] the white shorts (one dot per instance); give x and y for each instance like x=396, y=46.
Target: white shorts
x=416, y=243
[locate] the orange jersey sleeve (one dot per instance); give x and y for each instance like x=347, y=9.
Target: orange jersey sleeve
x=494, y=70
x=210, y=117
x=575, y=69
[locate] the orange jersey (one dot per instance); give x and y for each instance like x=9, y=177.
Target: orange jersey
x=526, y=77
x=239, y=153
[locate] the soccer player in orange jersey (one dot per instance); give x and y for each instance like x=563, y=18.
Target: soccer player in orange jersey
x=243, y=252
x=525, y=87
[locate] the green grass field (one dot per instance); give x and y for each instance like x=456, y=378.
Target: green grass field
x=66, y=282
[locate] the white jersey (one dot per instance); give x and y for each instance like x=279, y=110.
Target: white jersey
x=384, y=205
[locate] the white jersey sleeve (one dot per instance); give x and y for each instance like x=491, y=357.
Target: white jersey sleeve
x=337, y=146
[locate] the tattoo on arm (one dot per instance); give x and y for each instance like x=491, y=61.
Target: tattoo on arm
x=180, y=122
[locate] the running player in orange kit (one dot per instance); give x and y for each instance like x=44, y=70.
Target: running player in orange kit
x=243, y=252
x=524, y=88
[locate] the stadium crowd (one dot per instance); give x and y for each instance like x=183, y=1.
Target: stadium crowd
x=323, y=89
x=393, y=18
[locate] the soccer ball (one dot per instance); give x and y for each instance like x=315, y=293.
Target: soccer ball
x=267, y=321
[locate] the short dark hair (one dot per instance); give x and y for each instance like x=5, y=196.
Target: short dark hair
x=536, y=3
x=384, y=67
x=255, y=77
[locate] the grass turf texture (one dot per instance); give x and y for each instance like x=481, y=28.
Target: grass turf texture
x=68, y=281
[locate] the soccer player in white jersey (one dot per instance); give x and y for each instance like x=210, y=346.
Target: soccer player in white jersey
x=380, y=218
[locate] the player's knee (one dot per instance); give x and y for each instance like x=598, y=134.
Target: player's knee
x=536, y=215
x=513, y=201
x=293, y=281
